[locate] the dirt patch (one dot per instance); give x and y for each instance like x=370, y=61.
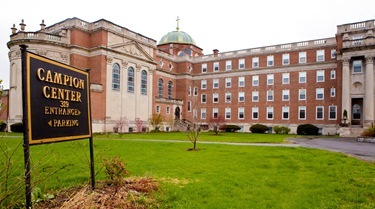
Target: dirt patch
x=132, y=193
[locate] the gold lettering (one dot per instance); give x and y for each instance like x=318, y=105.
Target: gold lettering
x=39, y=72
x=49, y=77
x=46, y=90
x=57, y=78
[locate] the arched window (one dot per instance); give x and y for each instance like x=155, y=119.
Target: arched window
x=144, y=82
x=131, y=80
x=170, y=87
x=116, y=77
x=160, y=87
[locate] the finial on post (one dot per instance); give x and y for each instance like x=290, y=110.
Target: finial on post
x=42, y=26
x=22, y=24
x=14, y=29
x=178, y=27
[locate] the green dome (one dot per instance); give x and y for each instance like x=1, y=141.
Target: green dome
x=178, y=37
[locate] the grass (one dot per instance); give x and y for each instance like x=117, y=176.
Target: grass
x=217, y=176
x=204, y=136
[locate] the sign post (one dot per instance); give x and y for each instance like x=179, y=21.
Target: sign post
x=56, y=107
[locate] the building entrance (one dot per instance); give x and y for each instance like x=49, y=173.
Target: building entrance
x=357, y=112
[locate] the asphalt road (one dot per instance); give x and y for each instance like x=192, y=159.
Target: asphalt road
x=349, y=146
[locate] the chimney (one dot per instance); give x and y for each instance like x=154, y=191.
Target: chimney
x=216, y=52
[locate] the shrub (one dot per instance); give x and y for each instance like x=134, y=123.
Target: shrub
x=307, y=129
x=115, y=170
x=230, y=128
x=258, y=128
x=281, y=129
x=2, y=126
x=16, y=127
x=370, y=132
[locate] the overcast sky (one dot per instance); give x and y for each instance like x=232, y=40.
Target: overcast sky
x=223, y=25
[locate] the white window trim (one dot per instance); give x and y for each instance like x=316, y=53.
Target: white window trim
x=318, y=92
x=241, y=61
x=270, y=59
x=299, y=111
x=299, y=94
x=239, y=96
x=329, y=113
x=282, y=112
x=253, y=94
x=213, y=97
x=300, y=75
x=255, y=60
x=204, y=66
x=239, y=111
x=273, y=113
x=288, y=93
x=316, y=113
x=285, y=75
x=252, y=112
x=320, y=73
x=304, y=56
x=253, y=80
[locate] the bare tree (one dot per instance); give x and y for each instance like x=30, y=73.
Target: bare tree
x=121, y=123
x=215, y=123
x=194, y=129
x=139, y=124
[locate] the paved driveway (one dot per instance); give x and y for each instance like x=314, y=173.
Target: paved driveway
x=350, y=146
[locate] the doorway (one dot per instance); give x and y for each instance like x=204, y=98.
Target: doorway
x=357, y=112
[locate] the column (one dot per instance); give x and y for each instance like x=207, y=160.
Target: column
x=369, y=91
x=346, y=88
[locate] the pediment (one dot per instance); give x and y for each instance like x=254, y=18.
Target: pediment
x=134, y=49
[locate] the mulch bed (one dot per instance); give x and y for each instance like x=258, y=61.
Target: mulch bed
x=131, y=193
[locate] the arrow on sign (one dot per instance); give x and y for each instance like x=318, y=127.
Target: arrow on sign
x=50, y=123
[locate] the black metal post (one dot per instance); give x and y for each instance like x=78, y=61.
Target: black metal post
x=92, y=170
x=26, y=149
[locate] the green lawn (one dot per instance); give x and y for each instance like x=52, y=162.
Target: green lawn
x=204, y=136
x=217, y=176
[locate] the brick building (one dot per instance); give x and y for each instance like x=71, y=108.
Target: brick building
x=134, y=76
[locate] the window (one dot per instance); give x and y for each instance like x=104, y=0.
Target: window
x=228, y=82
x=269, y=113
x=302, y=77
x=285, y=78
x=302, y=112
x=144, y=82
x=195, y=113
x=216, y=66
x=241, y=113
x=255, y=62
x=333, y=53
x=195, y=91
x=157, y=109
x=116, y=77
x=285, y=59
x=241, y=96
x=131, y=80
x=203, y=98
x=167, y=110
x=285, y=113
x=255, y=96
x=241, y=81
x=170, y=88
x=203, y=84
x=333, y=92
x=357, y=66
x=241, y=64
x=270, y=60
x=320, y=76
x=216, y=83
x=215, y=112
x=189, y=106
x=228, y=97
x=227, y=113
x=204, y=68
x=228, y=65
x=319, y=112
x=270, y=79
x=215, y=98
x=320, y=55
x=203, y=113
x=302, y=94
x=255, y=114
x=256, y=80
x=332, y=112
x=160, y=87
x=333, y=74
x=286, y=95
x=270, y=95
x=302, y=57
x=319, y=93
